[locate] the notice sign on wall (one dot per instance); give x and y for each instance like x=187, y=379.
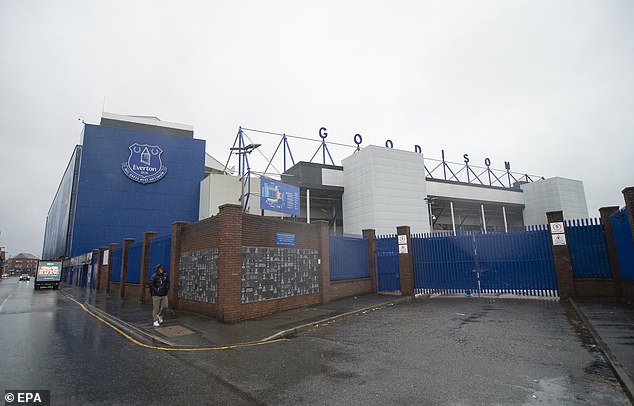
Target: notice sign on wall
x=559, y=239
x=278, y=196
x=285, y=239
x=402, y=244
x=557, y=233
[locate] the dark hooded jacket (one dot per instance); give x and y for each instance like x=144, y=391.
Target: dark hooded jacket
x=159, y=284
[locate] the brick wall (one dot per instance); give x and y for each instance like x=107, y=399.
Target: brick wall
x=200, y=235
x=234, y=235
x=260, y=231
x=594, y=287
x=354, y=287
x=627, y=289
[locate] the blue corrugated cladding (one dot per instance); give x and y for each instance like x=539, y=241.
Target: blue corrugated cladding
x=388, y=278
x=624, y=246
x=588, y=253
x=517, y=262
x=111, y=207
x=160, y=253
x=58, y=219
x=348, y=257
x=134, y=262
x=116, y=264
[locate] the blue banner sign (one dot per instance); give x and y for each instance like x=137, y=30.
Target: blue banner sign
x=285, y=239
x=278, y=196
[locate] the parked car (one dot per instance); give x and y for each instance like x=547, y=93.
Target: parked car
x=25, y=277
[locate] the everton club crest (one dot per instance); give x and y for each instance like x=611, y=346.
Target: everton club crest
x=144, y=164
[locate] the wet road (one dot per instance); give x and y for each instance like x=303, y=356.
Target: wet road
x=48, y=342
x=440, y=351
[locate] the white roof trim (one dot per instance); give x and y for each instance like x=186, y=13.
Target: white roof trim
x=147, y=120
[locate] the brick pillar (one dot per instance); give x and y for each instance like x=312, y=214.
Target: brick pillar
x=124, y=265
x=175, y=253
x=144, y=293
x=324, y=256
x=229, y=282
x=370, y=234
x=628, y=196
x=111, y=249
x=95, y=276
x=406, y=262
x=610, y=245
x=102, y=273
x=561, y=255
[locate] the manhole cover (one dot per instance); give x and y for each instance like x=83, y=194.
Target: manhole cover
x=174, y=331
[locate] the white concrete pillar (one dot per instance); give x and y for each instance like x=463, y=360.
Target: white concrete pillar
x=484, y=220
x=453, y=219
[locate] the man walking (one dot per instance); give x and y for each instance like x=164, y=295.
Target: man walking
x=159, y=286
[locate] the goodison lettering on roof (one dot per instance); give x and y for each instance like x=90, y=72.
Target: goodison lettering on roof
x=358, y=139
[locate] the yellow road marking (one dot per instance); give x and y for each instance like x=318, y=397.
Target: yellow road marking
x=153, y=347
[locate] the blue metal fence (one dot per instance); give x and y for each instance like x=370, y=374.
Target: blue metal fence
x=134, y=262
x=624, y=246
x=348, y=257
x=443, y=264
x=517, y=262
x=160, y=253
x=588, y=253
x=388, y=278
x=116, y=265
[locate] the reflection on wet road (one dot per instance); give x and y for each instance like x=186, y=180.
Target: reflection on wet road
x=436, y=351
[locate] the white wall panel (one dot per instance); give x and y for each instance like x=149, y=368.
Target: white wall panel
x=554, y=194
x=474, y=192
x=384, y=188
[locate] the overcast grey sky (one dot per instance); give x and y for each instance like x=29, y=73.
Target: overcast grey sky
x=547, y=85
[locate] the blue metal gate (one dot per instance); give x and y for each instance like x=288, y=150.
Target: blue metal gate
x=517, y=262
x=386, y=260
x=624, y=246
x=588, y=253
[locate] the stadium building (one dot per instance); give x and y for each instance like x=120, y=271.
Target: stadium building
x=129, y=175
x=133, y=174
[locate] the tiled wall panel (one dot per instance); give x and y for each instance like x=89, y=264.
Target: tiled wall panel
x=198, y=275
x=272, y=273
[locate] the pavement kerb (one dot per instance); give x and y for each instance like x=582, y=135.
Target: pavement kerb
x=129, y=329
x=142, y=335
x=292, y=331
x=134, y=332
x=623, y=377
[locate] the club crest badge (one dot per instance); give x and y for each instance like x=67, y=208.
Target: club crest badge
x=144, y=164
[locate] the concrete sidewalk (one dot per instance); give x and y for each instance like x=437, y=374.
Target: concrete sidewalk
x=187, y=329
x=611, y=322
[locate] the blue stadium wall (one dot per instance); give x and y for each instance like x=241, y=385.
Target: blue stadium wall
x=57, y=233
x=110, y=206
